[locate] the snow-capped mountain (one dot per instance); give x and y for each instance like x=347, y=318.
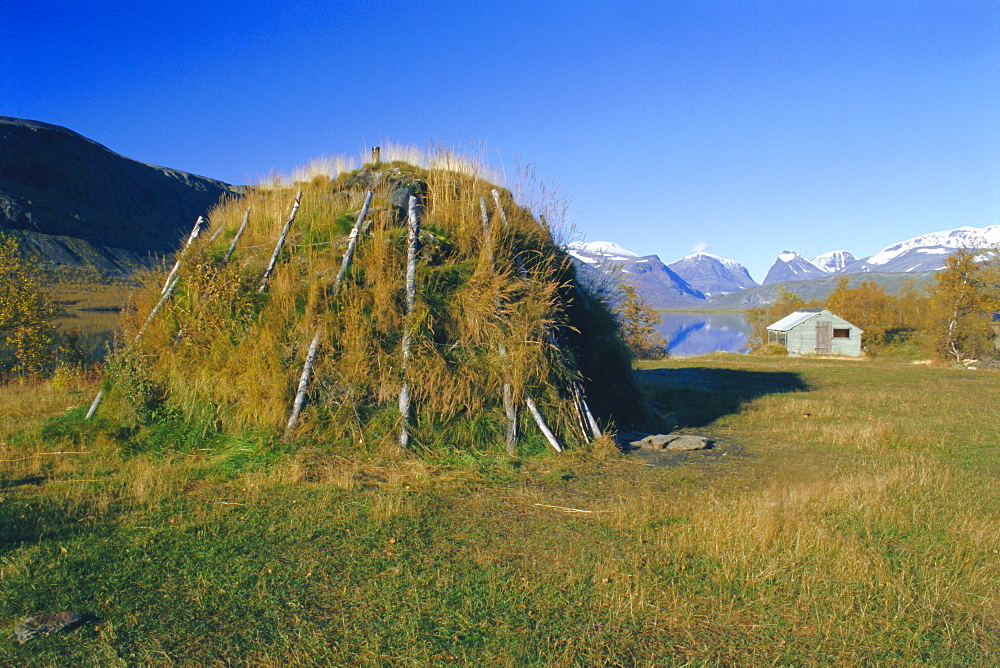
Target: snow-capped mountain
x=703, y=279
x=591, y=251
x=834, y=262
x=712, y=275
x=790, y=266
x=603, y=263
x=926, y=252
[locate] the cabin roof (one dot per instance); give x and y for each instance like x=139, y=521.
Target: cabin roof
x=795, y=318
x=803, y=314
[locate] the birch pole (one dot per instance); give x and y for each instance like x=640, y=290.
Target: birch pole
x=239, y=233
x=163, y=300
x=215, y=235
x=94, y=405
x=300, y=395
x=302, y=392
x=165, y=292
x=509, y=407
x=280, y=244
x=535, y=413
x=195, y=232
x=352, y=242
x=583, y=410
x=412, y=242
x=487, y=236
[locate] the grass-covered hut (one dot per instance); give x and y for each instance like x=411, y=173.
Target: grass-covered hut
x=495, y=322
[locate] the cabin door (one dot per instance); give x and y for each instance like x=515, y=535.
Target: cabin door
x=824, y=336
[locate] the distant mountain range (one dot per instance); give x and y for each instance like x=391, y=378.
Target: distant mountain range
x=703, y=280
x=71, y=201
x=687, y=283
x=713, y=275
x=603, y=263
x=919, y=254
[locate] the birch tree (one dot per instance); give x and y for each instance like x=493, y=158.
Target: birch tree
x=25, y=313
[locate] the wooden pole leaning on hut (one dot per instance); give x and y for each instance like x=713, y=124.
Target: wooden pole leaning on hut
x=412, y=246
x=94, y=405
x=586, y=418
x=195, y=232
x=165, y=292
x=225, y=260
x=352, y=242
x=302, y=392
x=281, y=242
x=509, y=407
x=535, y=413
x=236, y=239
x=152, y=314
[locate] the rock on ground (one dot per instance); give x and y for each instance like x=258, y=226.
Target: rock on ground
x=44, y=625
x=675, y=442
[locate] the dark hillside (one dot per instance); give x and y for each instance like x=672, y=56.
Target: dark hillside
x=74, y=202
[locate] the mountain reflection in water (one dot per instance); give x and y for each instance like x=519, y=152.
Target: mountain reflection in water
x=692, y=333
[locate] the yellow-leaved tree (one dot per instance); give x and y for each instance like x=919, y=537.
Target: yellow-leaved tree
x=869, y=307
x=26, y=330
x=964, y=303
x=638, y=323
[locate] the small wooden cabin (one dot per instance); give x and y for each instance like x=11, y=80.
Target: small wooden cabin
x=816, y=331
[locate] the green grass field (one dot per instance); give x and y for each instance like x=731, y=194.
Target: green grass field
x=848, y=516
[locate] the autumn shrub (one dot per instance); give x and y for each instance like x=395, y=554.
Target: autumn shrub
x=638, y=322
x=26, y=312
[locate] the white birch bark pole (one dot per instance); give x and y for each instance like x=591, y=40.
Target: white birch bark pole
x=594, y=428
x=496, y=198
x=239, y=233
x=280, y=244
x=352, y=242
x=163, y=300
x=195, y=232
x=509, y=407
x=300, y=395
x=535, y=413
x=215, y=235
x=165, y=292
x=487, y=236
x=411, y=298
x=94, y=405
x=583, y=409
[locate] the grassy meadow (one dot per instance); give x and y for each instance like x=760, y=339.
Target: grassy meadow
x=847, y=516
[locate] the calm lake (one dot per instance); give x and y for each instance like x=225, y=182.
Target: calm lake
x=688, y=333
x=692, y=333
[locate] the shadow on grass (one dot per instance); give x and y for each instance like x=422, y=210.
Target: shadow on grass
x=33, y=518
x=697, y=396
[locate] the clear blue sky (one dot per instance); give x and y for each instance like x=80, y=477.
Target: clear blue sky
x=740, y=127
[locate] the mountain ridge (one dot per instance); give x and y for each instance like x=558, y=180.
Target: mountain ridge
x=72, y=201
x=917, y=258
